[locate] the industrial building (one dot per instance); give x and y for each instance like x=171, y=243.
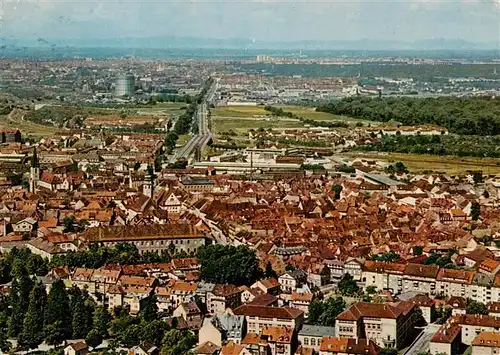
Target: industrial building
x=125, y=85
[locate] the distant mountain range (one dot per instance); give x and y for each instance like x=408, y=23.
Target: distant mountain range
x=245, y=44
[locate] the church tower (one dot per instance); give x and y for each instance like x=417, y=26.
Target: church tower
x=149, y=182
x=34, y=172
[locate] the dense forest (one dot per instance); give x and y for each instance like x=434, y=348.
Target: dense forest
x=471, y=116
x=475, y=146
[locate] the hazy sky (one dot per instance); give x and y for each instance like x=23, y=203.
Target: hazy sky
x=282, y=20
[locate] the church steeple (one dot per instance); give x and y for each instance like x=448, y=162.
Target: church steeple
x=34, y=172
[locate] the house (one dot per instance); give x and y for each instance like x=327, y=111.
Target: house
x=258, y=317
x=145, y=348
x=174, y=293
x=353, y=267
x=207, y=348
x=426, y=305
x=347, y=346
x=473, y=324
x=420, y=278
x=222, y=297
x=270, y=285
x=44, y=248
x=446, y=340
x=221, y=329
x=131, y=296
x=458, y=305
x=272, y=340
x=301, y=301
x=188, y=311
x=234, y=349
x=383, y=276
x=389, y=325
x=310, y=336
x=486, y=343
x=79, y=348
x=24, y=226
x=494, y=309
x=291, y=280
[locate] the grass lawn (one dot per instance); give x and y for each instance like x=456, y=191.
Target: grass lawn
x=163, y=108
x=243, y=125
x=448, y=164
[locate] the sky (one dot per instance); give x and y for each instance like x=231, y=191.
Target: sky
x=262, y=20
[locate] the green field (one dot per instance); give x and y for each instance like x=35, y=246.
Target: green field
x=451, y=165
x=310, y=113
x=259, y=111
x=162, y=108
x=243, y=125
x=239, y=111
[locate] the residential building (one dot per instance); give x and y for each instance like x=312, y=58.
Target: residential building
x=258, y=317
x=389, y=325
x=78, y=348
x=347, y=346
x=486, y=343
x=222, y=328
x=420, y=278
x=310, y=336
x=291, y=280
x=270, y=285
x=223, y=297
x=447, y=340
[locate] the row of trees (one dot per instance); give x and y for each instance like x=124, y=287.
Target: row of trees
x=122, y=253
x=476, y=146
x=471, y=116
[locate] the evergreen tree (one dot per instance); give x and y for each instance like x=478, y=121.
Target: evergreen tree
x=19, y=299
x=270, y=271
x=58, y=310
x=475, y=211
x=149, y=312
x=101, y=322
x=32, y=334
x=93, y=338
x=81, y=322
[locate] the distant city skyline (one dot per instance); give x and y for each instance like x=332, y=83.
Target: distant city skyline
x=262, y=20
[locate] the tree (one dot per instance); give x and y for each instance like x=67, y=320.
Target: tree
x=131, y=336
x=316, y=309
x=474, y=307
x=101, y=322
x=32, y=334
x=477, y=177
x=270, y=271
x=19, y=298
x=475, y=211
x=325, y=313
x=153, y=332
x=149, y=311
x=229, y=264
x=54, y=333
x=176, y=342
x=333, y=307
x=418, y=250
x=347, y=286
x=58, y=311
x=337, y=189
x=81, y=321
x=388, y=351
x=93, y=339
x=4, y=343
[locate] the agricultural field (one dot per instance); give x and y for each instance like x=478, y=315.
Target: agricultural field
x=449, y=164
x=239, y=111
x=243, y=125
x=173, y=109
x=16, y=120
x=310, y=113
